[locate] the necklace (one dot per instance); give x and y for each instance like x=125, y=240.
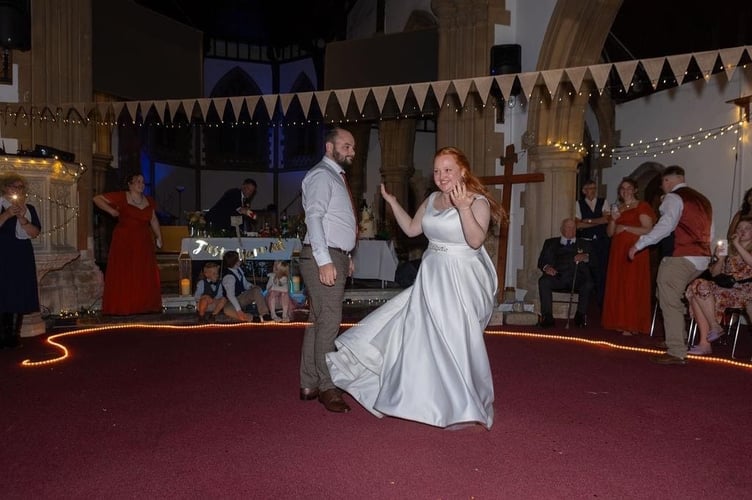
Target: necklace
x=134, y=201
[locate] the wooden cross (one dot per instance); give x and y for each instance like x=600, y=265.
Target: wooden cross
x=506, y=180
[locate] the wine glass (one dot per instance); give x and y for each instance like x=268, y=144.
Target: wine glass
x=615, y=214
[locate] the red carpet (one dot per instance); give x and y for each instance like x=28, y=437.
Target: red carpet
x=180, y=413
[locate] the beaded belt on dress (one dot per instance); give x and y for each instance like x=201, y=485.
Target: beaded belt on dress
x=458, y=249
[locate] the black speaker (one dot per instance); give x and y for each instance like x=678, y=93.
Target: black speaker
x=506, y=59
x=15, y=24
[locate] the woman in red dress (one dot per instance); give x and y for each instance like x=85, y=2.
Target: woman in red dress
x=627, y=302
x=131, y=283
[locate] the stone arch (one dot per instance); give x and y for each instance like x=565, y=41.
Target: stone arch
x=235, y=82
x=301, y=142
x=648, y=177
x=575, y=36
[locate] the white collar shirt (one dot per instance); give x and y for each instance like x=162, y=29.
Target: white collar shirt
x=329, y=217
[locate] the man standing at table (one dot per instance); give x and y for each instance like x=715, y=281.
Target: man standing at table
x=689, y=215
x=235, y=201
x=325, y=264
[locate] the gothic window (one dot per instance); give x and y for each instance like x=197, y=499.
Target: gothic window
x=240, y=142
x=301, y=141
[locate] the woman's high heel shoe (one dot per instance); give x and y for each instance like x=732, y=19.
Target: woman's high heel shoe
x=714, y=335
x=699, y=350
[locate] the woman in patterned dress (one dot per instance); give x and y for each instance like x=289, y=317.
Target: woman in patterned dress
x=708, y=301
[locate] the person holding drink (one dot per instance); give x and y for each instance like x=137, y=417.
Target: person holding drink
x=708, y=300
x=19, y=223
x=627, y=302
x=592, y=216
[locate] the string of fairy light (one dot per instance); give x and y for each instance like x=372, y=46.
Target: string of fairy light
x=65, y=353
x=69, y=212
x=658, y=146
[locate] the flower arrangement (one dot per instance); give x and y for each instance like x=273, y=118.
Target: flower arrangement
x=196, y=219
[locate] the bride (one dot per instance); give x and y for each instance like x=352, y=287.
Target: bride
x=421, y=356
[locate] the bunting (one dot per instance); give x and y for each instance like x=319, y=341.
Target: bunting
x=357, y=98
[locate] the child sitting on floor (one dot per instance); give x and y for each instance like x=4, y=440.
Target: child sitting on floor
x=278, y=290
x=210, y=294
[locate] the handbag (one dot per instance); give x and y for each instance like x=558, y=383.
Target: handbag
x=724, y=280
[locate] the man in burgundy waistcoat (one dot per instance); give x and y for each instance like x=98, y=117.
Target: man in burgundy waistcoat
x=689, y=215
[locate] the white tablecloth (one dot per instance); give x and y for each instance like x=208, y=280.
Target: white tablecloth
x=375, y=259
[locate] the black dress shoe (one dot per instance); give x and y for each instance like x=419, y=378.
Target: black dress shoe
x=267, y=317
x=546, y=321
x=257, y=319
x=580, y=320
x=307, y=394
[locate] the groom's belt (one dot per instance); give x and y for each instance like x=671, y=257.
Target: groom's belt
x=332, y=249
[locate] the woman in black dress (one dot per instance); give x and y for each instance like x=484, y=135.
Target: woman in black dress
x=19, y=223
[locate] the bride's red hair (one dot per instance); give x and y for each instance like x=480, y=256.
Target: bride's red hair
x=474, y=184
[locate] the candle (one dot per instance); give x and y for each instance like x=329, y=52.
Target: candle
x=296, y=284
x=185, y=286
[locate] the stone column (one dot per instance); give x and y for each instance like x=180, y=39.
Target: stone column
x=58, y=69
x=397, y=139
x=546, y=204
x=357, y=173
x=466, y=34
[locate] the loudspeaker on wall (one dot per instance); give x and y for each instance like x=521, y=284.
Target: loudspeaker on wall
x=15, y=24
x=506, y=59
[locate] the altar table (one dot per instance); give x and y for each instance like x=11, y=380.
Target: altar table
x=248, y=248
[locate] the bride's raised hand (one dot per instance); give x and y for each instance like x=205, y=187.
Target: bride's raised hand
x=460, y=197
x=389, y=198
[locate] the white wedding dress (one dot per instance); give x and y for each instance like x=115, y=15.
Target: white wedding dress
x=422, y=356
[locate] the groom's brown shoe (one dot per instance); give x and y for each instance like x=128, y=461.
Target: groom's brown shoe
x=307, y=394
x=667, y=359
x=332, y=401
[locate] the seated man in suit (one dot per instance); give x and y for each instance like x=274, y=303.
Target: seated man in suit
x=560, y=257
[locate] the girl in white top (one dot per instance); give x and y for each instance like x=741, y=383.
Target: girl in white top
x=277, y=289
